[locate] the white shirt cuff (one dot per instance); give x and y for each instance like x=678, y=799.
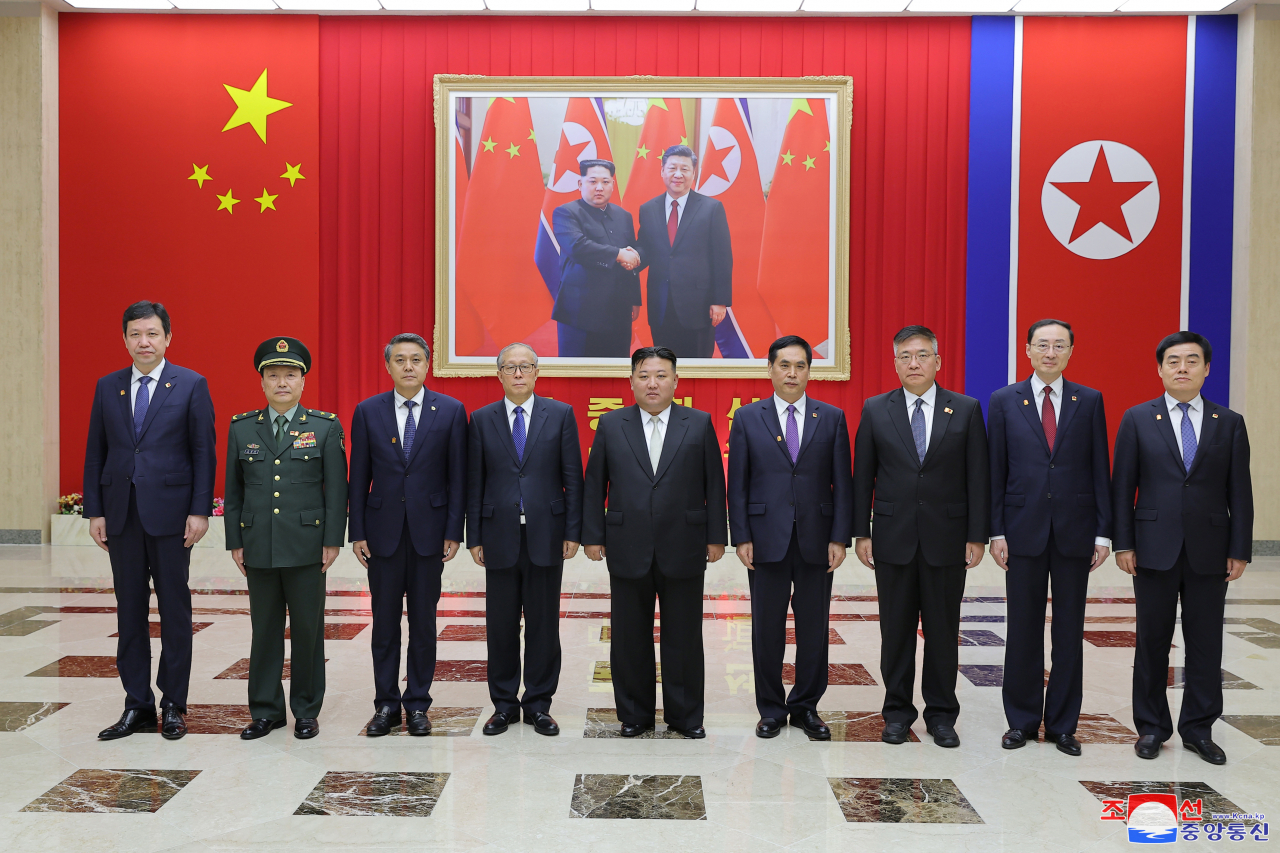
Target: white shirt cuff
x=994, y=538
x=1103, y=541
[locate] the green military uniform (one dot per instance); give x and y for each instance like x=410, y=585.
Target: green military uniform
x=285, y=499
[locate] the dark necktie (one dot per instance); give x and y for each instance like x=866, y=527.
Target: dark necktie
x=517, y=435
x=673, y=222
x=1049, y=418
x=1188, y=436
x=140, y=406
x=281, y=423
x=793, y=434
x=410, y=430
x=917, y=430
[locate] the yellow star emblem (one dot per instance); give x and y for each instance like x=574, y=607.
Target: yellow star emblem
x=788, y=157
x=200, y=175
x=488, y=143
x=253, y=106
x=826, y=146
x=808, y=163
x=227, y=202
x=293, y=173
x=531, y=136
x=684, y=140
x=267, y=200
x=642, y=153
x=513, y=150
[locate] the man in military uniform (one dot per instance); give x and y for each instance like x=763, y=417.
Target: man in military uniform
x=286, y=512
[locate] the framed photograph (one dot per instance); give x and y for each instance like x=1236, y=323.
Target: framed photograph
x=589, y=216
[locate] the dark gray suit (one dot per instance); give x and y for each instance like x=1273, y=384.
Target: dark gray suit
x=596, y=293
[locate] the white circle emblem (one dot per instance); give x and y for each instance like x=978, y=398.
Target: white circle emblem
x=1100, y=199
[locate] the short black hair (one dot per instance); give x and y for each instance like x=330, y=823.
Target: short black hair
x=584, y=165
x=641, y=355
x=1040, y=324
x=141, y=311
x=790, y=341
x=906, y=333
x=679, y=151
x=405, y=338
x=1184, y=338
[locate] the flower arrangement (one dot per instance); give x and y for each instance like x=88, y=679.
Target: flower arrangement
x=217, y=506
x=72, y=504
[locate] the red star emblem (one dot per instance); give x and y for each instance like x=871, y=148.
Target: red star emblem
x=566, y=158
x=1100, y=199
x=713, y=162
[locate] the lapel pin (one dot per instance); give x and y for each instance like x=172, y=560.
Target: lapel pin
x=1073, y=397
x=779, y=438
x=433, y=408
x=1159, y=417
x=168, y=384
x=1215, y=414
x=1026, y=402
x=948, y=411
x=259, y=417
x=121, y=392
x=393, y=440
x=815, y=414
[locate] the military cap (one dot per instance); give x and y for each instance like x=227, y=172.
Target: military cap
x=288, y=351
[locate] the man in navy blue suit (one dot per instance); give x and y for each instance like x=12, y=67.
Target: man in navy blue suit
x=524, y=519
x=407, y=499
x=790, y=518
x=149, y=466
x=1050, y=522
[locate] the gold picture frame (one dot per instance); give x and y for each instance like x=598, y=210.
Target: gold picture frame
x=450, y=89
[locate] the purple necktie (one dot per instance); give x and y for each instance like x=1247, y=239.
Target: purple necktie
x=140, y=406
x=793, y=434
x=410, y=430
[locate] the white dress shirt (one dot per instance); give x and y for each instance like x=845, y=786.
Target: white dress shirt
x=527, y=405
x=402, y=411
x=928, y=397
x=1196, y=412
x=666, y=213
x=782, y=415
x=135, y=384
x=1055, y=393
x=664, y=417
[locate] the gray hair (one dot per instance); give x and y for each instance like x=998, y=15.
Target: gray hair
x=503, y=354
x=405, y=338
x=908, y=332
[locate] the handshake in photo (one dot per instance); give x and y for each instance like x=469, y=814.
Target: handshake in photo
x=628, y=257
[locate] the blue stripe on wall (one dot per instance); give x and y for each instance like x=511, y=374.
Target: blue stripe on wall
x=990, y=161
x=1213, y=193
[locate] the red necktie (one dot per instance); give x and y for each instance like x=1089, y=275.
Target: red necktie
x=673, y=222
x=1047, y=418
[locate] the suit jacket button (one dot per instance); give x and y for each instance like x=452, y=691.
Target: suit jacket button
x=276, y=510
x=920, y=502
x=1050, y=464
x=1049, y=495
x=522, y=476
x=655, y=487
x=137, y=450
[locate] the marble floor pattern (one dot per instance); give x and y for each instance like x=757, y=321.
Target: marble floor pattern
x=590, y=789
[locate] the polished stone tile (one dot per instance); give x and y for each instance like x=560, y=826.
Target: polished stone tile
x=79, y=666
x=902, y=801
x=107, y=791
x=602, y=673
x=240, y=670
x=153, y=629
x=445, y=722
x=461, y=670
x=1103, y=728
x=857, y=726
x=621, y=797
x=1211, y=801
x=833, y=638
x=1177, y=680
x=464, y=633
x=392, y=794
x=974, y=638
x=217, y=719
x=19, y=716
x=339, y=630
x=837, y=673
x=604, y=723
x=14, y=617
x=1260, y=727
x=987, y=674
x=25, y=627
x=1112, y=639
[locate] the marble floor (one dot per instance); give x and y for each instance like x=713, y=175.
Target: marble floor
x=589, y=789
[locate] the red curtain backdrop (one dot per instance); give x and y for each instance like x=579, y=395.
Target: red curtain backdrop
x=377, y=189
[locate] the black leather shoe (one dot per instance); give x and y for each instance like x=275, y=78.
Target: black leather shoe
x=1016, y=739
x=173, y=726
x=695, y=733
x=419, y=723
x=260, y=728
x=768, y=727
x=896, y=733
x=634, y=729
x=129, y=722
x=384, y=720
x=1067, y=744
x=1206, y=749
x=945, y=736
x=497, y=724
x=1148, y=746
x=812, y=725
x=543, y=724
x=306, y=727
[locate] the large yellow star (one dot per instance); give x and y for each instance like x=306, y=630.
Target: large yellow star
x=513, y=150
x=200, y=175
x=267, y=200
x=684, y=140
x=808, y=163
x=532, y=135
x=253, y=106
x=293, y=173
x=826, y=146
x=227, y=202
x=488, y=143
x=642, y=153
x=788, y=157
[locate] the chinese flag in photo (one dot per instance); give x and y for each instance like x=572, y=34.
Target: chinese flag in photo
x=495, y=269
x=795, y=248
x=728, y=171
x=468, y=331
x=663, y=127
x=188, y=176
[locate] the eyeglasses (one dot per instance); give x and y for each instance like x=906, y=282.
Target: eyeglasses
x=513, y=369
x=906, y=357
x=1045, y=346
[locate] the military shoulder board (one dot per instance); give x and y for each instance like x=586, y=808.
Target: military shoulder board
x=245, y=415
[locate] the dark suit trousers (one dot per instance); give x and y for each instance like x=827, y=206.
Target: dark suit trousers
x=1026, y=700
x=404, y=578
x=685, y=343
x=615, y=343
x=911, y=594
x=300, y=590
x=136, y=556
x=1203, y=603
x=631, y=649
x=808, y=590
x=535, y=591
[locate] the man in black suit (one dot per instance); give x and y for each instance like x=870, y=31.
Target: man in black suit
x=1047, y=437
x=599, y=293
x=684, y=241
x=1188, y=535
x=790, y=511
x=524, y=519
x=655, y=509
x=920, y=462
x=149, y=465
x=408, y=489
